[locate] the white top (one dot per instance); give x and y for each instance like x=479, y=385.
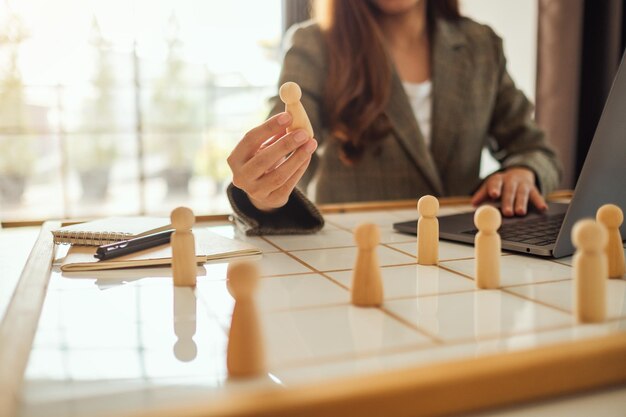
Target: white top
x=420, y=98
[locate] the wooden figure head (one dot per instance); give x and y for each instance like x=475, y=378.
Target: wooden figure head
x=182, y=218
x=589, y=236
x=243, y=279
x=290, y=92
x=427, y=206
x=487, y=219
x=610, y=215
x=367, y=236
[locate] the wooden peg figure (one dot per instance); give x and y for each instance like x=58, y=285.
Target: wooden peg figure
x=427, y=231
x=367, y=286
x=487, y=220
x=590, y=271
x=245, y=353
x=183, y=248
x=290, y=94
x=611, y=216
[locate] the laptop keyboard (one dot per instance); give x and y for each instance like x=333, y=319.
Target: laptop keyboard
x=539, y=231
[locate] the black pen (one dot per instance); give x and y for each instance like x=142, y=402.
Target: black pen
x=124, y=247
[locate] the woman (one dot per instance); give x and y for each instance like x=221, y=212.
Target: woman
x=402, y=96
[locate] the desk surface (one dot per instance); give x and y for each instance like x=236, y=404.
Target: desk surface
x=129, y=343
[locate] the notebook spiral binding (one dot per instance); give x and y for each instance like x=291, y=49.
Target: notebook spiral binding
x=76, y=237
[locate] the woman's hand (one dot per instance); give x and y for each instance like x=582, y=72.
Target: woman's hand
x=514, y=187
x=268, y=162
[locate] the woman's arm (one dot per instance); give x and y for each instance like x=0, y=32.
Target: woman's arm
x=267, y=164
x=529, y=165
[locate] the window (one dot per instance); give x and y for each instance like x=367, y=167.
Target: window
x=128, y=107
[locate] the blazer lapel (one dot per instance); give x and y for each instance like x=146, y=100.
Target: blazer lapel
x=451, y=74
x=402, y=119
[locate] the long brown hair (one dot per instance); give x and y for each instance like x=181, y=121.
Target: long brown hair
x=359, y=70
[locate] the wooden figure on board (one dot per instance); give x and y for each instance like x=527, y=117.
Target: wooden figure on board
x=290, y=94
x=590, y=271
x=487, y=220
x=611, y=216
x=427, y=231
x=367, y=286
x=184, y=262
x=245, y=352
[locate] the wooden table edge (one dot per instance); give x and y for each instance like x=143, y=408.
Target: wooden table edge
x=558, y=195
x=459, y=386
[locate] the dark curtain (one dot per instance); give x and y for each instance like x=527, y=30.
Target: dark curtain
x=602, y=48
x=558, y=78
x=580, y=44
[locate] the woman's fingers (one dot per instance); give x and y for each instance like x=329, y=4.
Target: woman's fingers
x=267, y=163
x=280, y=196
x=521, y=199
x=272, y=140
x=514, y=187
x=494, y=186
x=509, y=190
x=276, y=178
x=271, y=156
x=252, y=141
x=480, y=195
x=490, y=189
x=537, y=199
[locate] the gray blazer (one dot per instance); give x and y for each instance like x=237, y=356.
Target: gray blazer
x=475, y=104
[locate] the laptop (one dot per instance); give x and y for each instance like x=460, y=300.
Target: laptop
x=601, y=181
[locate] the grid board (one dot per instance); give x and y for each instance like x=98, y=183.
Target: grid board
x=129, y=343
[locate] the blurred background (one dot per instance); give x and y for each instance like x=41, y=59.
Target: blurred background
x=125, y=107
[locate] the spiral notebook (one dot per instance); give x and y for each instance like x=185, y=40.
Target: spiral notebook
x=109, y=230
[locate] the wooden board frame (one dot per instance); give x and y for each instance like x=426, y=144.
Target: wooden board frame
x=19, y=324
x=458, y=386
